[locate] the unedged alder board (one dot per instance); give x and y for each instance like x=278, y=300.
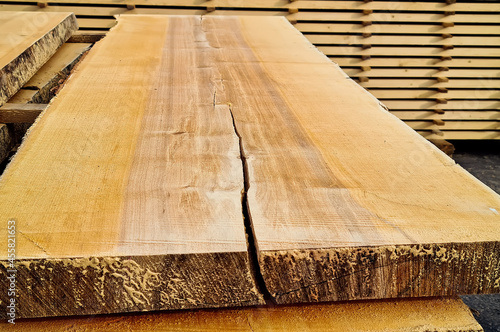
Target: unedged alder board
x=346, y=201
x=27, y=41
x=126, y=195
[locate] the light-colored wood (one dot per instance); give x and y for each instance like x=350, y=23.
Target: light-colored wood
x=47, y=80
x=403, y=40
x=417, y=104
x=20, y=113
x=350, y=5
x=432, y=83
x=411, y=51
x=434, y=93
x=406, y=29
x=391, y=220
x=27, y=41
x=449, y=314
x=427, y=72
x=392, y=17
x=463, y=135
x=448, y=115
x=456, y=125
x=127, y=192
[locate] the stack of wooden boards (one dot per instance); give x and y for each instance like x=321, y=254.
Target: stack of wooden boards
x=434, y=64
x=178, y=137
x=34, y=60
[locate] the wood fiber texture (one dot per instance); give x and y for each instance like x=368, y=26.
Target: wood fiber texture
x=172, y=127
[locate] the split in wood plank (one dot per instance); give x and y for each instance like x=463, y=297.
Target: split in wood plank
x=27, y=41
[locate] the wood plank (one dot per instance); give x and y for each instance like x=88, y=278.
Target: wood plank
x=393, y=17
x=424, y=72
x=433, y=94
x=391, y=220
x=468, y=135
x=324, y=39
x=27, y=41
x=465, y=52
x=338, y=5
x=405, y=29
x=432, y=82
x=448, y=314
x=417, y=104
x=135, y=193
x=20, y=113
x=456, y=125
x=418, y=62
x=448, y=115
x=55, y=71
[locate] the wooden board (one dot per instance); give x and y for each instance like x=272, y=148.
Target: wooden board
x=457, y=83
x=55, y=71
x=346, y=202
x=127, y=192
x=433, y=94
x=449, y=314
x=342, y=5
x=397, y=29
x=456, y=125
x=463, y=135
x=324, y=39
x=448, y=115
x=425, y=72
x=424, y=51
x=27, y=41
x=417, y=62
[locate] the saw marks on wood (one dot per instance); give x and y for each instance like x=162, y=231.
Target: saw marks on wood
x=371, y=316
x=127, y=192
x=27, y=41
x=346, y=202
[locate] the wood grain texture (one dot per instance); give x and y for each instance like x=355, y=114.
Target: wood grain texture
x=345, y=201
x=416, y=315
x=127, y=192
x=27, y=41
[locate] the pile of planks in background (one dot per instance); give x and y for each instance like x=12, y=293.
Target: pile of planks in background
x=203, y=162
x=434, y=64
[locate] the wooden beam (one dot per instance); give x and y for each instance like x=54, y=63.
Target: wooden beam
x=27, y=41
x=20, y=113
x=448, y=314
x=149, y=180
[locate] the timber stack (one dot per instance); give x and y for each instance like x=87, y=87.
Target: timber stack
x=223, y=163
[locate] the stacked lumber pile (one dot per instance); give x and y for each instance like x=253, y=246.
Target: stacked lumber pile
x=433, y=64
x=186, y=165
